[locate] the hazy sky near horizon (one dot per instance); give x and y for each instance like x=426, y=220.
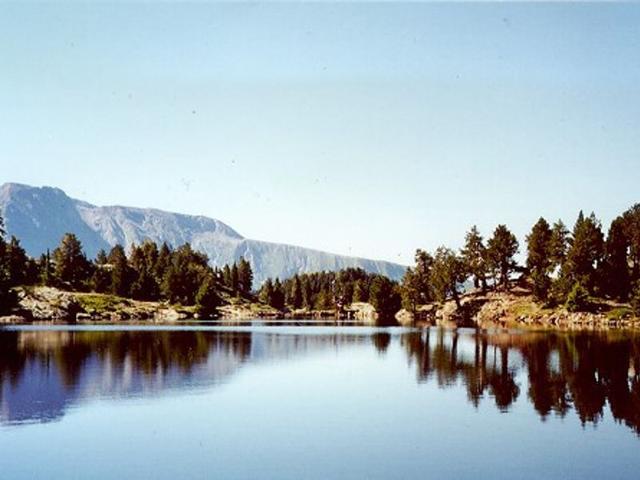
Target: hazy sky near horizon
x=362, y=129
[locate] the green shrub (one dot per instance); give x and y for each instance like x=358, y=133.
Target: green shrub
x=578, y=299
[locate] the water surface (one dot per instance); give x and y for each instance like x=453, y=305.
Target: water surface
x=259, y=400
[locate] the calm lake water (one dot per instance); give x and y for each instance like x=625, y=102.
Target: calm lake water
x=300, y=402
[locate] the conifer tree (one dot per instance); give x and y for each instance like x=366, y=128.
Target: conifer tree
x=296, y=294
x=46, y=269
x=121, y=273
x=585, y=253
x=422, y=272
x=632, y=232
x=539, y=260
x=277, y=298
x=558, y=244
x=448, y=272
x=207, y=298
x=7, y=295
x=17, y=261
x=617, y=282
x=474, y=256
x=501, y=249
x=71, y=265
x=384, y=297
x=234, y=281
x=245, y=277
x=266, y=292
x=410, y=291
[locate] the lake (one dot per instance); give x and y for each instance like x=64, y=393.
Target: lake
x=300, y=401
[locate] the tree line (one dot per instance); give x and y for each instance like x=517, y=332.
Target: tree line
x=562, y=267
x=150, y=273
x=332, y=291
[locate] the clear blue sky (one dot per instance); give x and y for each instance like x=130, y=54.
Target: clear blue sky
x=363, y=129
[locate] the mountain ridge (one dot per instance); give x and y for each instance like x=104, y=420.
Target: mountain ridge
x=39, y=216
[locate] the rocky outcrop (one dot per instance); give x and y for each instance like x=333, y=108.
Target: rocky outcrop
x=45, y=303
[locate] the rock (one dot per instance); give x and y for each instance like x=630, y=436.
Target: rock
x=46, y=303
x=12, y=319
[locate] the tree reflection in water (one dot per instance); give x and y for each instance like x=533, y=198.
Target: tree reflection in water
x=42, y=372
x=564, y=371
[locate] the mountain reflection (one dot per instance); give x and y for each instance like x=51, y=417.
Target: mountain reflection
x=43, y=373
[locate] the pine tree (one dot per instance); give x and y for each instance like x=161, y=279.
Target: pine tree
x=162, y=262
x=296, y=294
x=46, y=269
x=617, y=281
x=585, y=253
x=360, y=291
x=207, y=298
x=234, y=281
x=410, y=291
x=501, y=249
x=539, y=260
x=226, y=276
x=277, y=298
x=558, y=244
x=474, y=255
x=71, y=265
x=7, y=295
x=422, y=271
x=245, y=277
x=266, y=292
x=17, y=261
x=448, y=272
x=632, y=232
x=384, y=297
x=121, y=273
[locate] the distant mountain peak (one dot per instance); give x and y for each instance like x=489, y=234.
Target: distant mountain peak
x=39, y=216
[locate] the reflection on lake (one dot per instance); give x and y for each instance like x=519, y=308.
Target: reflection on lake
x=341, y=402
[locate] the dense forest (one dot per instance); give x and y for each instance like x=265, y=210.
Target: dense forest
x=150, y=272
x=563, y=268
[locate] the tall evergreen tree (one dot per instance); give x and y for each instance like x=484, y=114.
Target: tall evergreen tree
x=71, y=266
x=539, y=260
x=585, y=253
x=245, y=277
x=632, y=232
x=7, y=295
x=501, y=249
x=45, y=266
x=17, y=261
x=384, y=297
x=617, y=281
x=277, y=298
x=234, y=280
x=474, y=256
x=448, y=272
x=266, y=292
x=121, y=273
x=296, y=294
x=207, y=298
x=558, y=244
x=422, y=272
x=410, y=291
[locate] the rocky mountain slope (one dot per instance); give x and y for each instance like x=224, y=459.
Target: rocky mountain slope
x=39, y=216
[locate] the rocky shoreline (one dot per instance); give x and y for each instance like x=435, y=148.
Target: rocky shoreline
x=518, y=309
x=513, y=309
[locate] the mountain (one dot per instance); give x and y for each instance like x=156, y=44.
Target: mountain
x=39, y=216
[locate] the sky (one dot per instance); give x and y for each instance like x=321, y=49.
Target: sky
x=367, y=129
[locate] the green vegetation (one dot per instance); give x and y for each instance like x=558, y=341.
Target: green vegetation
x=579, y=270
x=181, y=276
